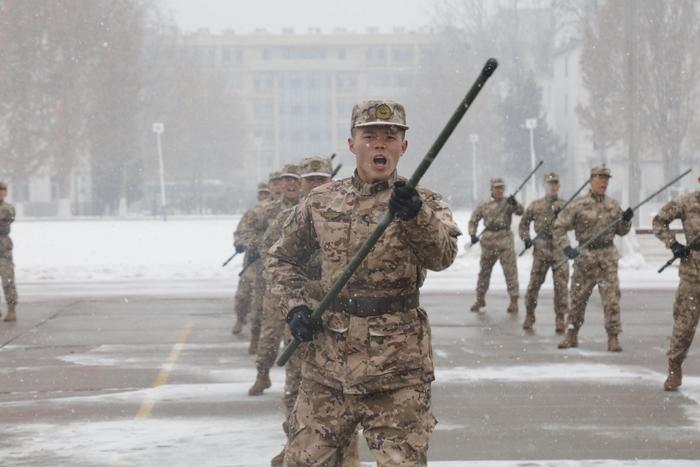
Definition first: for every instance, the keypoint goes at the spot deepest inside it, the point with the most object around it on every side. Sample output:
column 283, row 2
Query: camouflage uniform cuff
column 424, row 216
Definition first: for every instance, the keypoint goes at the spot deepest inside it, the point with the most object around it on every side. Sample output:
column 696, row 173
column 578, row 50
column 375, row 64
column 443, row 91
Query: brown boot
column 238, row 327
column 529, row 321
column 560, row 324
column 479, row 303
column 513, row 307
column 675, row 375
column 571, row 339
column 278, row 460
column 614, row 343
column 253, row 347
column 11, row 314
column 262, row 382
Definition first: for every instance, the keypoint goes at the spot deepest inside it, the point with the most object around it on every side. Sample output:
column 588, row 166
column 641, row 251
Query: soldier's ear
column 404, row 146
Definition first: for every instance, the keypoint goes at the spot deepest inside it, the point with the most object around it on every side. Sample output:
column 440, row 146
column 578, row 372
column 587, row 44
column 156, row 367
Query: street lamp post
column 531, row 124
column 158, row 128
column 474, row 138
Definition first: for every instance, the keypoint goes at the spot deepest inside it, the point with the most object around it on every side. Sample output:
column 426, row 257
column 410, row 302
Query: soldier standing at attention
column 369, row 360
column 686, row 308
column 546, row 254
column 244, row 292
column 7, row 266
column 597, row 264
column 496, row 243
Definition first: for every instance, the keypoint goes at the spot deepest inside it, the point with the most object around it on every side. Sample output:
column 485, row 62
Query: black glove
column 679, row 250
column 301, row 325
column 570, row 253
column 628, row 215
column 528, row 243
column 511, row 200
column 475, row 239
column 405, row 202
column 240, row 248
column 253, row 256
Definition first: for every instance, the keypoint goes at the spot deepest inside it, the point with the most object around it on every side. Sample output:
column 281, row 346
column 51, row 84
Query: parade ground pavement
column 147, row 379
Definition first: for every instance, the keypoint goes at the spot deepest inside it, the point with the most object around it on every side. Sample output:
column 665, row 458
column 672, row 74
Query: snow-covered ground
column 193, row 249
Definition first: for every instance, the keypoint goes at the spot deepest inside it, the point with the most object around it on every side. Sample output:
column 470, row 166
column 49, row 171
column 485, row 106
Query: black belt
column 496, row 228
column 370, row 306
column 600, row 245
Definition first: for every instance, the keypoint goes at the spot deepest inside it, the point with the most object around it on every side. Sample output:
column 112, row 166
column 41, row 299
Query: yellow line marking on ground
column 162, row 378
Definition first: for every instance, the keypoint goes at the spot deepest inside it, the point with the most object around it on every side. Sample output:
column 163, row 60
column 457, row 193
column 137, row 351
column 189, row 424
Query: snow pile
column 192, row 250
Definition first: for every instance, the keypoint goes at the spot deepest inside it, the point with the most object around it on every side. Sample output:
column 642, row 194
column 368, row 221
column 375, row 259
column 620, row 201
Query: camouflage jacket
column 586, row 216
column 542, row 213
column 365, row 354
column 265, row 216
column 497, row 216
column 249, row 228
column 7, row 217
column 687, row 209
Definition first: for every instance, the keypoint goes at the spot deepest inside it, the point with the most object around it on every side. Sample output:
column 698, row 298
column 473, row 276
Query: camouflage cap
column 551, row 177
column 378, row 112
column 276, row 175
column 3, row 186
column 601, row 170
column 316, row 166
column 495, row 182
column 262, row 186
column 290, row 170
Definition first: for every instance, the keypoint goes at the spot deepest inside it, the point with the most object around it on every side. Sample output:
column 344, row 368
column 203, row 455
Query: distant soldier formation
column 367, row 363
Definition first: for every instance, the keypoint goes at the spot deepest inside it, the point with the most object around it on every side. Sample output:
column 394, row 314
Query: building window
column 376, row 56
column 342, row 54
column 231, row 56
column 263, row 108
column 402, row 55
column 263, row 81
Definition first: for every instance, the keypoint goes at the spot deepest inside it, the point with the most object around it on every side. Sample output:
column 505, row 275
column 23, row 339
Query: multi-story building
column 298, row 90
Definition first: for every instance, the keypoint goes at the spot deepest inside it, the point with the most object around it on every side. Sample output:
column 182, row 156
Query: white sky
column 245, row 15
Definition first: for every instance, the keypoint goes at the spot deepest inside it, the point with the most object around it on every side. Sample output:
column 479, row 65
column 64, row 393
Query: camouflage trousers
column 256, row 301
column 591, row 269
column 396, row 424
column 543, row 261
column 350, row 456
column 272, row 330
column 244, row 295
column 686, row 311
column 510, row 269
column 7, row 273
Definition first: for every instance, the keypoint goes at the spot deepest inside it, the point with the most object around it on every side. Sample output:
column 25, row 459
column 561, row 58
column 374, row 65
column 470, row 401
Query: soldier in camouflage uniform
column 369, row 360
column 251, row 233
column 315, row 171
column 686, row 308
column 496, row 243
column 542, row 213
column 7, row 266
column 596, row 264
column 244, row 292
column 270, row 334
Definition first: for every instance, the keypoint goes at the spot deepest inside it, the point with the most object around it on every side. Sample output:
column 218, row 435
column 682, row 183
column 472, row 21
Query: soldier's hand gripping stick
column 506, row 203
column 551, row 221
column 486, row 72
column 690, row 246
column 621, row 217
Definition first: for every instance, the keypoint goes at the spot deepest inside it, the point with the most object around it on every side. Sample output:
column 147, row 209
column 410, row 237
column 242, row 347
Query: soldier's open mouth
column 379, row 161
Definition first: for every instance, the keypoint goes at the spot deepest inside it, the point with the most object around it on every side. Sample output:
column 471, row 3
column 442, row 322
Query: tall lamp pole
column 474, row 138
column 158, row 128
